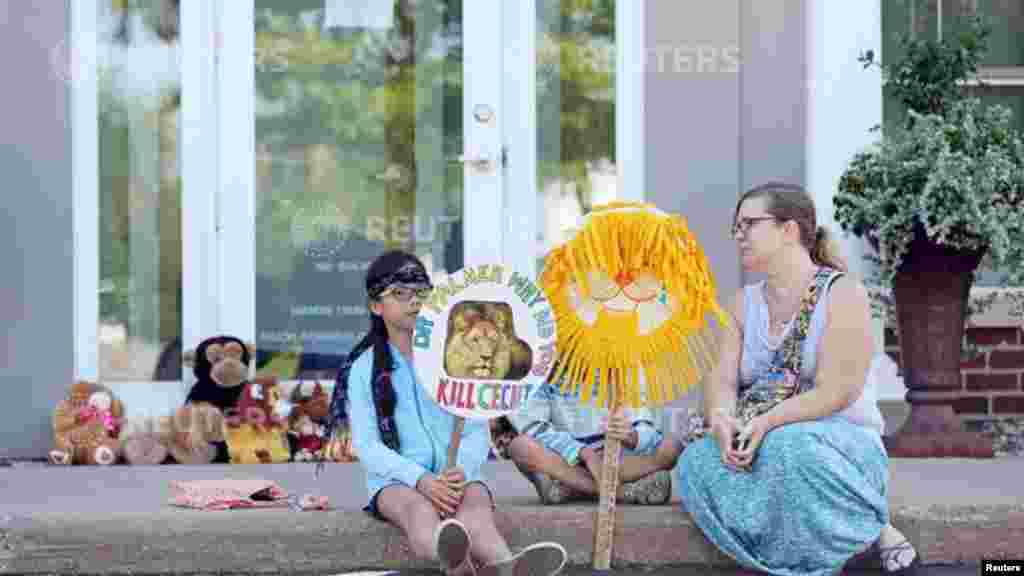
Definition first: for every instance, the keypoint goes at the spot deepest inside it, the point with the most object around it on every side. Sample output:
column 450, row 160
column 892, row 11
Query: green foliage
column 956, row 167
column 928, row 76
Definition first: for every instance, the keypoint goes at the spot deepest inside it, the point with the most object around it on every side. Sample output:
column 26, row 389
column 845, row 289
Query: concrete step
column 115, row 520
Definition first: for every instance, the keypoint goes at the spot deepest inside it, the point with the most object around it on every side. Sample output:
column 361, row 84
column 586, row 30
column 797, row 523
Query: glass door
column 239, row 163
column 350, row 128
column 573, row 95
column 126, row 73
column 461, row 131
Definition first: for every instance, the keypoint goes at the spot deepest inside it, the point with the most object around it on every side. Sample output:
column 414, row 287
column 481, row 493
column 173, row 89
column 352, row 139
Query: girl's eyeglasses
column 403, row 294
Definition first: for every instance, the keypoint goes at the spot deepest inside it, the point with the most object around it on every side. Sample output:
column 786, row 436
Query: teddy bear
column 306, row 435
column 221, row 367
column 86, row 426
column 313, row 399
column 192, row 434
column 142, row 444
column 313, row 403
column 254, row 430
column 310, row 405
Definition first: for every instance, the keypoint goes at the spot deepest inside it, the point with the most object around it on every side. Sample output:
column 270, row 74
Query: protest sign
column 484, row 339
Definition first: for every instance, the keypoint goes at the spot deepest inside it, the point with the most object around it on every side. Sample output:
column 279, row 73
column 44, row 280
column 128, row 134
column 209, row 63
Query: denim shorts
column 374, row 511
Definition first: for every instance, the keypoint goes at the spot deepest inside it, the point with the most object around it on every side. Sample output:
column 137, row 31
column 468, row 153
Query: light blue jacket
column 424, row 430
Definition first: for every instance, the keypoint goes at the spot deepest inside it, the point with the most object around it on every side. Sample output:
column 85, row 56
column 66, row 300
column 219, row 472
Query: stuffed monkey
column 221, row 368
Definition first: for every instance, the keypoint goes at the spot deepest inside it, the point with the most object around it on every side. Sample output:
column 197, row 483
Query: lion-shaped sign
column 484, row 339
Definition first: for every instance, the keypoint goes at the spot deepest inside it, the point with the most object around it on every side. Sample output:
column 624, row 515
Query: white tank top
column 759, row 349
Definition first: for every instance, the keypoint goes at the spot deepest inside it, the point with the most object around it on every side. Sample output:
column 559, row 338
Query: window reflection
column 139, row 93
column 576, row 165
column 358, row 109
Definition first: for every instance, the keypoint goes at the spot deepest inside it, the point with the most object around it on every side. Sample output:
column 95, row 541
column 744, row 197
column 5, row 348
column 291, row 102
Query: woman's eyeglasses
column 745, row 224
column 403, row 294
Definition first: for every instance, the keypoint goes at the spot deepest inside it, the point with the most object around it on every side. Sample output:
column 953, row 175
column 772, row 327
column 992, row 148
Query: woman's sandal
column 892, row 559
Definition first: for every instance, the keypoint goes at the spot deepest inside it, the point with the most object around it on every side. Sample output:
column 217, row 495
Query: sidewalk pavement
column 116, row 520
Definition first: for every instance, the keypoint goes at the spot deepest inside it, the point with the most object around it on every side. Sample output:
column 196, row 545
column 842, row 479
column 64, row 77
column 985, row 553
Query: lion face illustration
column 633, row 293
column 482, row 344
column 477, row 351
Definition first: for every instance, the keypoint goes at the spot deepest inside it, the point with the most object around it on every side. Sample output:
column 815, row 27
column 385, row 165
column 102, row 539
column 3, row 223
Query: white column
column 843, row 102
column 199, row 167
column 236, row 182
column 78, row 66
column 630, row 78
column 482, row 87
column 522, row 225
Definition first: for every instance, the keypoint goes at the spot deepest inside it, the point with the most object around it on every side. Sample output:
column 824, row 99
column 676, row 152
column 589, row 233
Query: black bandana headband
column 409, row 275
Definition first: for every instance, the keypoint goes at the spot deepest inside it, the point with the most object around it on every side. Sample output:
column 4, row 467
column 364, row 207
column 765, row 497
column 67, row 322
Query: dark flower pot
column 931, row 291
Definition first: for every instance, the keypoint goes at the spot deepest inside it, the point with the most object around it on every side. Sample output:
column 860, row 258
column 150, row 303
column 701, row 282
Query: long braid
column 390, row 267
column 384, row 398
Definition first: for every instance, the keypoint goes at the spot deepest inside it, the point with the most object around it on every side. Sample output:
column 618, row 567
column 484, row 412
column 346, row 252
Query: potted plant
column 939, row 194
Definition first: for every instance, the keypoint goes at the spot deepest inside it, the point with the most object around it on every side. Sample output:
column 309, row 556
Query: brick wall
column 993, row 379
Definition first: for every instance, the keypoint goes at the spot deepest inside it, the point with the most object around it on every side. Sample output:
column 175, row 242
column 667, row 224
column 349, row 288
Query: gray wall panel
column 714, row 128
column 693, row 125
column 36, row 299
column 774, row 106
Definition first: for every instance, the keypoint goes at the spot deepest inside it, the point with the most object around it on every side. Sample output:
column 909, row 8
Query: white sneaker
column 540, row 559
column 452, row 544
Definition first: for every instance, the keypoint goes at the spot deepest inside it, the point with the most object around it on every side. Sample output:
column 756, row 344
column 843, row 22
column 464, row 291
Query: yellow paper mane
column 618, row 238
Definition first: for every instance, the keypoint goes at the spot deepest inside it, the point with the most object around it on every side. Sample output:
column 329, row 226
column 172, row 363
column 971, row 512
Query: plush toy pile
column 226, row 418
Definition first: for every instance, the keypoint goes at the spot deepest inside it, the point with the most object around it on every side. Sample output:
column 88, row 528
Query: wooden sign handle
column 604, row 521
column 453, row 446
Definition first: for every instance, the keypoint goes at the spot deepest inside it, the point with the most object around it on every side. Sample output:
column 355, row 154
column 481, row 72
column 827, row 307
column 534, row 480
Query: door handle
column 478, row 160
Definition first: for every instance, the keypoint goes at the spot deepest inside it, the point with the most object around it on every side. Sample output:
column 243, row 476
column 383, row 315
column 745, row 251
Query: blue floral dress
column 816, row 493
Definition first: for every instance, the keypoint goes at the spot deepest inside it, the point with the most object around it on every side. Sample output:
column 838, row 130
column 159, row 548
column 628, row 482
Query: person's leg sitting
column 533, row 458
column 476, row 512
column 636, row 465
column 416, row 517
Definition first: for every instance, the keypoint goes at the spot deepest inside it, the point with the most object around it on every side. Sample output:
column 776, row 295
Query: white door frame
column 200, row 266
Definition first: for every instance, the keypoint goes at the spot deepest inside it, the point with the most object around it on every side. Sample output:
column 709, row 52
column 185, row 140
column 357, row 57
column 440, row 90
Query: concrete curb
column 186, row 541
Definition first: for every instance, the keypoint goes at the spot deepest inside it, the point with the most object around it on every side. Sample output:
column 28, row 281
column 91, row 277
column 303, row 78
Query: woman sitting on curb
column 787, row 473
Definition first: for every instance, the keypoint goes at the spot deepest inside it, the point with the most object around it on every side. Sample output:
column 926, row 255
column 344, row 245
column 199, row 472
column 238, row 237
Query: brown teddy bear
column 142, row 444
column 311, row 408
column 192, row 433
column 86, row 426
column 314, row 401
column 307, row 436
